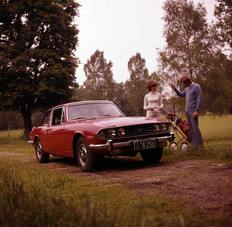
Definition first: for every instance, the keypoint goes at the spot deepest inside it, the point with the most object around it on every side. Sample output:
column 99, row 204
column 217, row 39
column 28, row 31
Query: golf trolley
column 181, row 130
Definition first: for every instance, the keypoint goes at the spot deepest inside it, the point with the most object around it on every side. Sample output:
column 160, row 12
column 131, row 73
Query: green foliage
column 219, row 153
column 10, row 120
column 136, row 86
column 217, row 90
column 121, row 100
column 99, row 83
column 32, row 197
column 186, row 33
column 192, row 47
column 36, row 52
column 13, row 120
column 217, row 137
column 223, row 12
column 215, row 128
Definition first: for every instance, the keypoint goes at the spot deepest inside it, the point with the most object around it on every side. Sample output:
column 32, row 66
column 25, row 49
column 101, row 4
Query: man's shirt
column 193, row 95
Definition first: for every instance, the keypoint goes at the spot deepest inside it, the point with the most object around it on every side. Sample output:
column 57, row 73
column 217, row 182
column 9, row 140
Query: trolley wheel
column 173, row 146
column 184, row 147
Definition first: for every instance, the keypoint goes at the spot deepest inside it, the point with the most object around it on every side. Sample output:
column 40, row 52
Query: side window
column 63, row 118
column 57, row 116
column 47, row 119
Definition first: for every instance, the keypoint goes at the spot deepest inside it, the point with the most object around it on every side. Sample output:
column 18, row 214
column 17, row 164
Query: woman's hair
column 150, row 84
column 186, row 80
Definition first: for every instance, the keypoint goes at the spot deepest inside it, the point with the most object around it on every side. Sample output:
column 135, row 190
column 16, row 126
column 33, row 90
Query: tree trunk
column 26, row 114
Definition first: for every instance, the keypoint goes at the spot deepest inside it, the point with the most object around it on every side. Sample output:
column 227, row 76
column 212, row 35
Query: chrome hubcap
column 39, row 150
column 83, row 158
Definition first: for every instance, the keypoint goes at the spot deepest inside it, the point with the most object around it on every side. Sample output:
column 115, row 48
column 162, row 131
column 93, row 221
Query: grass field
column 213, row 128
column 32, row 196
column 216, row 129
column 217, row 137
column 216, row 132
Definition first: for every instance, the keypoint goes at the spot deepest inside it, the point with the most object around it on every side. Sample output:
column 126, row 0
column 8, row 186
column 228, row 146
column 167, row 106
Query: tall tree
column 37, row 67
column 187, row 38
column 99, row 83
column 121, row 100
column 136, row 86
column 223, row 12
column 192, row 48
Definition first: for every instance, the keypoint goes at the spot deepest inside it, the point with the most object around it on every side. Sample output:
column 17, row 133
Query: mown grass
column 32, row 197
column 217, row 137
column 216, row 129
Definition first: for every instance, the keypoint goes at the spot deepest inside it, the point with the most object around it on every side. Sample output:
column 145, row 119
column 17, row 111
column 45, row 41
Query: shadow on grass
column 118, row 163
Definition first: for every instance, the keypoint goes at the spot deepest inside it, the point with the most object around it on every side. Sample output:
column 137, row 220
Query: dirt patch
column 203, row 184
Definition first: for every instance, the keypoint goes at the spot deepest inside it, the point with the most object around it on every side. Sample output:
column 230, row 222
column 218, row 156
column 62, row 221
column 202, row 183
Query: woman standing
column 153, row 102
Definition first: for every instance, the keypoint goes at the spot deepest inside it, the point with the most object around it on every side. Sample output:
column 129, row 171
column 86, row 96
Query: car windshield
column 82, row 111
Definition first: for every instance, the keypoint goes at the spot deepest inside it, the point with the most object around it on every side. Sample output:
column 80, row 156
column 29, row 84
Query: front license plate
column 144, row 144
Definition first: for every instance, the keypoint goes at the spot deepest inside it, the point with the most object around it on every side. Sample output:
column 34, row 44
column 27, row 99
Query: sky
column 121, row 28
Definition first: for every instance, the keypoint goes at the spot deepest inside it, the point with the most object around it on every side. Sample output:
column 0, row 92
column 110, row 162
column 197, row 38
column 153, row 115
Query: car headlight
column 169, row 127
column 163, row 127
column 156, row 128
column 121, row 132
column 101, row 135
column 111, row 133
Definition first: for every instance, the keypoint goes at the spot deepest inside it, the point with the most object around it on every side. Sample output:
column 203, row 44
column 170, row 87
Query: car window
column 57, row 116
column 47, row 119
column 62, row 118
column 82, row 111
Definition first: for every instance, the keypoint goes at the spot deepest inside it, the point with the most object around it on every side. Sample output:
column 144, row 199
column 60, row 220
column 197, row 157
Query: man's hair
column 186, row 79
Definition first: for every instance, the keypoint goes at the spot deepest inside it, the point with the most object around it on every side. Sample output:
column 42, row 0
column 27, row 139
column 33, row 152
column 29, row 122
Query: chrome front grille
column 139, row 130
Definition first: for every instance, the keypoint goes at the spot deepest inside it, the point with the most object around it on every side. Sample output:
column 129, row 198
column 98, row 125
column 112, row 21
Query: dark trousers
column 195, row 133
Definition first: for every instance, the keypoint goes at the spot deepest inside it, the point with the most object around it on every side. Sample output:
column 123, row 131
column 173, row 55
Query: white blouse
column 153, row 99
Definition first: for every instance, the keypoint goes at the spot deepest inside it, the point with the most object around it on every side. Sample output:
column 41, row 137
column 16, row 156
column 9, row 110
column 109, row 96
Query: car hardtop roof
column 81, row 102
column 88, row 102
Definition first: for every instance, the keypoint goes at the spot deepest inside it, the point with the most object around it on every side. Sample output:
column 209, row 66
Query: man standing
column 193, row 94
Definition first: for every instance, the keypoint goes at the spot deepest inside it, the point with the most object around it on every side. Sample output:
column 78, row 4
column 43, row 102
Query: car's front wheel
column 86, row 159
column 41, row 155
column 152, row 155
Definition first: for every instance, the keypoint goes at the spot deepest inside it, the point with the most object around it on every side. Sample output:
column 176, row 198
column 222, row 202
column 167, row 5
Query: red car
column 88, row 130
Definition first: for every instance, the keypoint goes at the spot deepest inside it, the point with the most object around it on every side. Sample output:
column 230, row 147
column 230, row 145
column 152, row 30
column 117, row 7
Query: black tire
column 86, row 159
column 152, row 155
column 41, row 155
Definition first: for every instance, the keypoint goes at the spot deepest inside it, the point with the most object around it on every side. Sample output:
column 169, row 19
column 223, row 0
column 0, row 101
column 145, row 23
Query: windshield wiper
column 107, row 115
column 78, row 118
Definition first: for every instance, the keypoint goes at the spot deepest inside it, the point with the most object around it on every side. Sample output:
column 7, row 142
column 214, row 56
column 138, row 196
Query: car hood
column 122, row 121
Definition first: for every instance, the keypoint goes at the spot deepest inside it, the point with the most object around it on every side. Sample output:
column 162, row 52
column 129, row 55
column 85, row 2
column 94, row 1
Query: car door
column 54, row 134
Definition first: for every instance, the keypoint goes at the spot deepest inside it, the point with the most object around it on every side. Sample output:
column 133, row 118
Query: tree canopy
column 223, row 12
column 192, row 47
column 36, row 52
column 136, row 86
column 99, row 83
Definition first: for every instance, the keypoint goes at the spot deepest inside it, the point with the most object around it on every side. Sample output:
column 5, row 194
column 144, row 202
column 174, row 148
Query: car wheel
column 184, row 147
column 152, row 155
column 41, row 155
column 86, row 159
column 173, row 146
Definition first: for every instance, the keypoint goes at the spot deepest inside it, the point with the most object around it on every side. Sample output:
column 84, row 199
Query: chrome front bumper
column 110, row 145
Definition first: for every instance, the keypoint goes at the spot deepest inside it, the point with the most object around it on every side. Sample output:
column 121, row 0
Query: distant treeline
column 11, row 120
